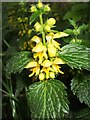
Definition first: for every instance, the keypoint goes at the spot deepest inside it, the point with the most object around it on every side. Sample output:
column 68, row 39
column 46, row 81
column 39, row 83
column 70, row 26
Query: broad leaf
column 47, row 99
column 17, row 62
column 80, row 87
column 76, row 56
column 35, row 15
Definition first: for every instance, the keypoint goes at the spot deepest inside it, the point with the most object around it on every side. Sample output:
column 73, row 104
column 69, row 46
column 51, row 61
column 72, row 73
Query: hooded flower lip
column 50, row 39
column 46, row 63
column 51, row 50
column 31, row 64
column 36, row 39
column 39, row 48
column 58, row 61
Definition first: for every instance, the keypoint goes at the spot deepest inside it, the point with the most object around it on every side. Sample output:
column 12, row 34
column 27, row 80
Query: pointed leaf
column 35, row 15
column 76, row 56
column 17, row 62
column 80, row 87
column 47, row 99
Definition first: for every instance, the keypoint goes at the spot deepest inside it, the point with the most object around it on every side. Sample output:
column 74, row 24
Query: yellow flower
column 46, row 63
column 33, row 8
column 47, row 8
column 39, row 48
column 46, row 70
column 41, row 56
column 38, row 26
column 40, row 5
column 35, row 70
column 41, row 76
column 52, row 75
column 51, row 21
column 58, row 61
column 56, row 44
column 31, row 64
column 49, row 37
column 47, row 28
column 60, row 34
column 36, row 39
column 51, row 50
column 56, row 69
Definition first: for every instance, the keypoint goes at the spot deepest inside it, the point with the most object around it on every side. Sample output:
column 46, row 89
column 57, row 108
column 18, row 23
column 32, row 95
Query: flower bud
column 40, row 5
column 47, row 8
column 51, row 21
column 52, row 75
column 41, row 76
column 33, row 9
column 38, row 27
column 47, row 28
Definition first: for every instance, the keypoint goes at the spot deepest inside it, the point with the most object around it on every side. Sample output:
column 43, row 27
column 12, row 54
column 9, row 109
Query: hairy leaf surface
column 80, row 87
column 17, row 62
column 76, row 56
column 48, row 99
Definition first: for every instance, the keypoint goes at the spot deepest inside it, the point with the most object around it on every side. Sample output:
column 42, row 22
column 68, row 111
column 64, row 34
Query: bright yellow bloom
column 36, row 39
column 47, row 8
column 58, row 61
column 51, row 21
column 33, row 8
column 56, row 69
column 56, row 44
column 35, row 70
column 46, row 63
column 40, row 5
column 31, row 64
column 38, row 26
column 39, row 48
column 60, row 34
column 52, row 75
column 41, row 56
column 47, row 28
column 41, row 76
column 49, row 37
column 51, row 50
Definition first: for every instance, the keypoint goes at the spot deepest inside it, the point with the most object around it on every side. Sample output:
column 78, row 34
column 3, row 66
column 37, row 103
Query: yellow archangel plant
column 45, row 64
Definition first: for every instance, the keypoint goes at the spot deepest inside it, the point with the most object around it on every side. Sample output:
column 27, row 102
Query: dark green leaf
column 48, row 99
column 17, row 62
column 35, row 15
column 76, row 56
column 80, row 86
column 83, row 114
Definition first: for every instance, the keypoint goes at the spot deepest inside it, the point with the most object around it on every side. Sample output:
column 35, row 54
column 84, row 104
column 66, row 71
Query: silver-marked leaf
column 17, row 62
column 80, row 87
column 76, row 56
column 47, row 99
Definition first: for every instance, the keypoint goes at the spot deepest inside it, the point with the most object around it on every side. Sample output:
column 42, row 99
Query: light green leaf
column 47, row 99
column 80, row 86
column 76, row 56
column 17, row 62
column 35, row 15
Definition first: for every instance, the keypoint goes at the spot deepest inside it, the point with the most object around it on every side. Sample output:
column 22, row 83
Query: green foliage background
column 73, row 18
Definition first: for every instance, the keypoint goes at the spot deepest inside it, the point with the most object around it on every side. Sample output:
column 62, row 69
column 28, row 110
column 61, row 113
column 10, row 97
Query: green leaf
column 72, row 22
column 17, row 62
column 35, row 15
column 47, row 99
column 80, row 86
column 76, row 56
column 83, row 114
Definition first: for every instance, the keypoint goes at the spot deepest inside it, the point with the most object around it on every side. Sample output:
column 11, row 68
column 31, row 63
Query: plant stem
column 43, row 34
